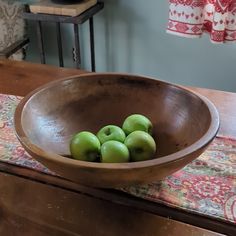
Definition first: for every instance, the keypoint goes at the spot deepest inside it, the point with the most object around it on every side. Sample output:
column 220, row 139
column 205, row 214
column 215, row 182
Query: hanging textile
column 190, row 18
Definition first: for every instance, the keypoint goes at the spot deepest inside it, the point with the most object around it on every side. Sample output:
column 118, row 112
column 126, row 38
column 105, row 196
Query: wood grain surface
column 94, row 100
column 19, row 207
column 31, row 208
column 20, row 78
column 50, row 7
column 225, row 102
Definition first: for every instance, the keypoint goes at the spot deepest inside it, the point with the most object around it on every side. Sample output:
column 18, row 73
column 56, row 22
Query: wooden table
column 33, row 203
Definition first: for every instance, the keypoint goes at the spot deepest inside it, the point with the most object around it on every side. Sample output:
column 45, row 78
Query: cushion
column 12, row 26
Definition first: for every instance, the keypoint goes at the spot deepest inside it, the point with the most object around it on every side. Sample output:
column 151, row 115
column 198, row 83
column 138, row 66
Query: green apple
column 137, row 122
column 111, row 132
column 141, row 146
column 85, row 146
column 114, row 152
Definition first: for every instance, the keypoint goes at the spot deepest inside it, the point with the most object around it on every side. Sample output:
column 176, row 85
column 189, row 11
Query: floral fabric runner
column 190, row 18
column 206, row 186
column 11, row 150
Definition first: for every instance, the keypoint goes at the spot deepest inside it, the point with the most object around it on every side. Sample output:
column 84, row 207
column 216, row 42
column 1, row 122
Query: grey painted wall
column 130, row 37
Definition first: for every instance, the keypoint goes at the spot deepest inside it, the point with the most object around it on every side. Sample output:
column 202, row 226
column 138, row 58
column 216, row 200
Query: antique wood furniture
column 34, row 203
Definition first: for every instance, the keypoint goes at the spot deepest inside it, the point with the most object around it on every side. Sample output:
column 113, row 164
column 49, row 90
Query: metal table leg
column 59, row 44
column 77, row 47
column 40, row 42
column 91, row 29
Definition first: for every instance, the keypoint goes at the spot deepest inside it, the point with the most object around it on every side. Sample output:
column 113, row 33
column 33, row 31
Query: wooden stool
column 76, row 14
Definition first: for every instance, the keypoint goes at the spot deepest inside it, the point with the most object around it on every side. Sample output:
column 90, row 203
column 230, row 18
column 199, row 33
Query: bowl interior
column 52, row 115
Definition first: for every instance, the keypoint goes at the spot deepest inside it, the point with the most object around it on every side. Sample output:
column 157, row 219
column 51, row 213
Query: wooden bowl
column 45, row 120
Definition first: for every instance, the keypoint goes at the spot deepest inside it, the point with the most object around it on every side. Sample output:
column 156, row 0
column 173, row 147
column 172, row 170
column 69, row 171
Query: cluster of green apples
column 112, row 144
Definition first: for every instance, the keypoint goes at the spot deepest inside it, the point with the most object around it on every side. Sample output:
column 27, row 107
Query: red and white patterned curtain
column 190, row 18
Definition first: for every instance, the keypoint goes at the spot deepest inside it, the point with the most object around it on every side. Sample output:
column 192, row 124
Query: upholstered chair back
column 12, row 26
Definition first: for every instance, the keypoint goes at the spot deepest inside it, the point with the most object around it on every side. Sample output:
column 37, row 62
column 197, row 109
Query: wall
column 130, row 37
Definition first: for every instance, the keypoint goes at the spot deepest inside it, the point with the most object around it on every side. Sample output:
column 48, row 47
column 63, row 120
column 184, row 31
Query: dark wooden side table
column 58, row 20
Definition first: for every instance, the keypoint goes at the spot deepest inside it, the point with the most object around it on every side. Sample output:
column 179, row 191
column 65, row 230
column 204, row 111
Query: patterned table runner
column 206, row 186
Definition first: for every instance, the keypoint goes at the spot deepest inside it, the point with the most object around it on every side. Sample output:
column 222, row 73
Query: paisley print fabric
column 11, row 150
column 206, row 186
